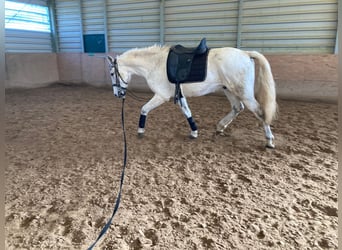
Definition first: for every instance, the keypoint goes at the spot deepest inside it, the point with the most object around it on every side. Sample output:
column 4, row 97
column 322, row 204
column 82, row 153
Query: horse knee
column 183, row 104
column 144, row 111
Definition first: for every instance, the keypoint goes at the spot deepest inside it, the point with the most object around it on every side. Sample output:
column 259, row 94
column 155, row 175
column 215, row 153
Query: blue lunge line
column 117, row 203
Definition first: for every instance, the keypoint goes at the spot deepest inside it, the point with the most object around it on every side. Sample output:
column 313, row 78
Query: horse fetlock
column 220, row 129
column 270, row 143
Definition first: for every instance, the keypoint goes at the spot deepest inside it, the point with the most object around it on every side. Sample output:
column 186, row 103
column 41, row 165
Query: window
column 94, row 43
column 25, row 16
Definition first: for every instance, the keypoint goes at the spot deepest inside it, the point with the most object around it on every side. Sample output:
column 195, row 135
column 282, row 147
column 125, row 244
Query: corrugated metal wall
column 269, row 26
column 307, row 26
column 25, row 41
column 93, row 16
column 39, row 2
column 132, row 24
column 126, row 24
column 69, row 26
column 187, row 22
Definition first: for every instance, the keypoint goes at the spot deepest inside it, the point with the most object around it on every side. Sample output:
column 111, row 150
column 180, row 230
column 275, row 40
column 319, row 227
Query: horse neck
column 137, row 66
column 141, row 61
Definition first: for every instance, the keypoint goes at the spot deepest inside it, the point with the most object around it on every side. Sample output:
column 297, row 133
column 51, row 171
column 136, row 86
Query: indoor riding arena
column 67, row 134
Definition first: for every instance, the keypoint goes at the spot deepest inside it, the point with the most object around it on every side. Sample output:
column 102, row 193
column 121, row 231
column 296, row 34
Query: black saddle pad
column 186, row 67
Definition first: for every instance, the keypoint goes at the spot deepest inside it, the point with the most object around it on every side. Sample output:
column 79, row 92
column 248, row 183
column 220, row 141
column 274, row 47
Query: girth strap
column 178, row 93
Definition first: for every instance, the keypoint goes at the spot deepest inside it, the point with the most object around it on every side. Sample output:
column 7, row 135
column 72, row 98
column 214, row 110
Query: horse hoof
column 219, row 132
column 270, row 145
column 140, row 135
column 193, row 134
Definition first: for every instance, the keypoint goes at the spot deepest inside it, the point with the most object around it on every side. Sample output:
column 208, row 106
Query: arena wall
column 304, row 77
column 30, row 70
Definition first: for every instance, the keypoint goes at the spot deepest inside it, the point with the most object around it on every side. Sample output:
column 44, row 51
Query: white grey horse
column 228, row 69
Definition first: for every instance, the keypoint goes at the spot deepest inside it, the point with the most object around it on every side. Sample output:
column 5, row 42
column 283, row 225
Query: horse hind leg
column 269, row 136
column 255, row 108
column 237, row 108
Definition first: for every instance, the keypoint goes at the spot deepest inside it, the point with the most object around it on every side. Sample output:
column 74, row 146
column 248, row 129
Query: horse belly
column 199, row 88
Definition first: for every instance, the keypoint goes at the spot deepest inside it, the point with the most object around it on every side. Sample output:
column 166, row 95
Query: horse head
column 118, row 83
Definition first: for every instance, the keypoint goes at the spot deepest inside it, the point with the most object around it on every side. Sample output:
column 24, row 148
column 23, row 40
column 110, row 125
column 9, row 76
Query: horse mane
column 148, row 51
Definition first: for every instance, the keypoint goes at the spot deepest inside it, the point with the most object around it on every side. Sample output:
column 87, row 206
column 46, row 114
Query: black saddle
column 200, row 49
column 186, row 65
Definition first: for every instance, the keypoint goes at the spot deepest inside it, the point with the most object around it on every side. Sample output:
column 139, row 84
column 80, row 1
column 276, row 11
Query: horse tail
column 265, row 90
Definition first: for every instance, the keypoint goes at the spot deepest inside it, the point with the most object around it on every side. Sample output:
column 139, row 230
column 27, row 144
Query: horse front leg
column 187, row 112
column 155, row 102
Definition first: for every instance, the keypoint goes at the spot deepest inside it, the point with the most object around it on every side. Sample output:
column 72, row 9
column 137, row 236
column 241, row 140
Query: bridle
column 119, row 84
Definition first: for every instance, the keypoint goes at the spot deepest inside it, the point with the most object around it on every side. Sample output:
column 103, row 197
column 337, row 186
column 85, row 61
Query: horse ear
column 110, row 60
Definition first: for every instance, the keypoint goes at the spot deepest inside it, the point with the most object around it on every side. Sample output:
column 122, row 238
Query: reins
column 118, row 198
column 119, row 90
column 136, row 97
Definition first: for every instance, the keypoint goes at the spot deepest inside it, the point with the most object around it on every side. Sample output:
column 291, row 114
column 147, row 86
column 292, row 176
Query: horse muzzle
column 119, row 91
